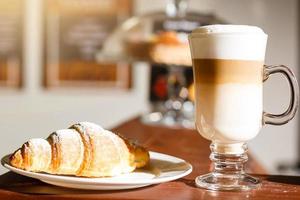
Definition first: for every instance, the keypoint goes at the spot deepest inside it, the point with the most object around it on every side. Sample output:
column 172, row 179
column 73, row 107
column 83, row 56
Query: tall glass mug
column 229, row 71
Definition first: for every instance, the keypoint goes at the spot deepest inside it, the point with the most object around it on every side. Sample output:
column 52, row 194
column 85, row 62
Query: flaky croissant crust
column 85, row 149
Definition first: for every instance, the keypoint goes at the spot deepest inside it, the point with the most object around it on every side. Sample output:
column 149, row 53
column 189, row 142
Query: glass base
column 228, row 169
column 240, row 182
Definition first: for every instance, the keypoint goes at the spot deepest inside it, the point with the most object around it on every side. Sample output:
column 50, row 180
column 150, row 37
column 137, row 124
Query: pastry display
column 171, row 48
column 166, row 47
column 85, row 149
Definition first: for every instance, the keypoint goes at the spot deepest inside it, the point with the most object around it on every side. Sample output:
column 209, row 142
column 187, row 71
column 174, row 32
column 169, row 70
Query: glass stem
column 228, row 172
column 228, row 164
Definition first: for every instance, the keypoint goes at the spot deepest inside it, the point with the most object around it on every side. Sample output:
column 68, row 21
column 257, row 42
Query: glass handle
column 285, row 117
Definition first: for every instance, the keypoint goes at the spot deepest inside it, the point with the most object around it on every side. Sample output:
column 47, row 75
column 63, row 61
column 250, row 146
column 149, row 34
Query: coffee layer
column 218, row 71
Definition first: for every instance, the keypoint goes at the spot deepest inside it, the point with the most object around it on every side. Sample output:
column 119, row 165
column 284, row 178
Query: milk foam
column 219, row 28
column 237, row 42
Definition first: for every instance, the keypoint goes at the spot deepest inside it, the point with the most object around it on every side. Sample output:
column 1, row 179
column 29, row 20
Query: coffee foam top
column 218, row 28
column 240, row 42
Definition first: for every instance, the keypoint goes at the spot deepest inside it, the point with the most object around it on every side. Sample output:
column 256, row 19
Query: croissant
column 85, row 149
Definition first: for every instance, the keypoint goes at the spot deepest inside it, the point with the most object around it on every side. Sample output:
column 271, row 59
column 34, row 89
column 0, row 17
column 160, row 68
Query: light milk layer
column 229, row 113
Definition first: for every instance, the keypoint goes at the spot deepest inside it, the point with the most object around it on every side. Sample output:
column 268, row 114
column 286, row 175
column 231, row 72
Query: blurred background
column 54, row 72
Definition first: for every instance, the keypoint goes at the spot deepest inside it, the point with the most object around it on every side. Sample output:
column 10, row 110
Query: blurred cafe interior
column 108, row 61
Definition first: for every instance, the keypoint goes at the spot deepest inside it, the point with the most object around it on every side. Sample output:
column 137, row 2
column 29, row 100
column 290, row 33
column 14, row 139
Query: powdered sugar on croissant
column 85, row 149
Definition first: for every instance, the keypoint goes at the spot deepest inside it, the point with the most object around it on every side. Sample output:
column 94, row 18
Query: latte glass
column 229, row 71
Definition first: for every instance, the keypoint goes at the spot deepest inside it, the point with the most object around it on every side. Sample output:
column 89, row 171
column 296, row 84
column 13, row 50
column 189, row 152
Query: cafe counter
column 183, row 143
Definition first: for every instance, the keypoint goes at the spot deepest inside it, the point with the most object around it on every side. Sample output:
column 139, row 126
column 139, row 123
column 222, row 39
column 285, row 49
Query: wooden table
column 183, row 143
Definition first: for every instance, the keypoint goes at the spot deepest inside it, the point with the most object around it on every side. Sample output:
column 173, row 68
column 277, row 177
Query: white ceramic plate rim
column 106, row 181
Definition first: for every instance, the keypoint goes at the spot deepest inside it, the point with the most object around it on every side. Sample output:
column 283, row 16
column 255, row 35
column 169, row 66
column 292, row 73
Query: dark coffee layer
column 218, row 71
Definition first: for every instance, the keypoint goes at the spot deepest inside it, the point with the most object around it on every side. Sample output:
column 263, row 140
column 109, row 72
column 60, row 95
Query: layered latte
column 228, row 72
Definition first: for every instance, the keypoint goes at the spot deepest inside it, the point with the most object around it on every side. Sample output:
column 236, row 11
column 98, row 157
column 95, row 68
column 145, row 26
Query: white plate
column 162, row 168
